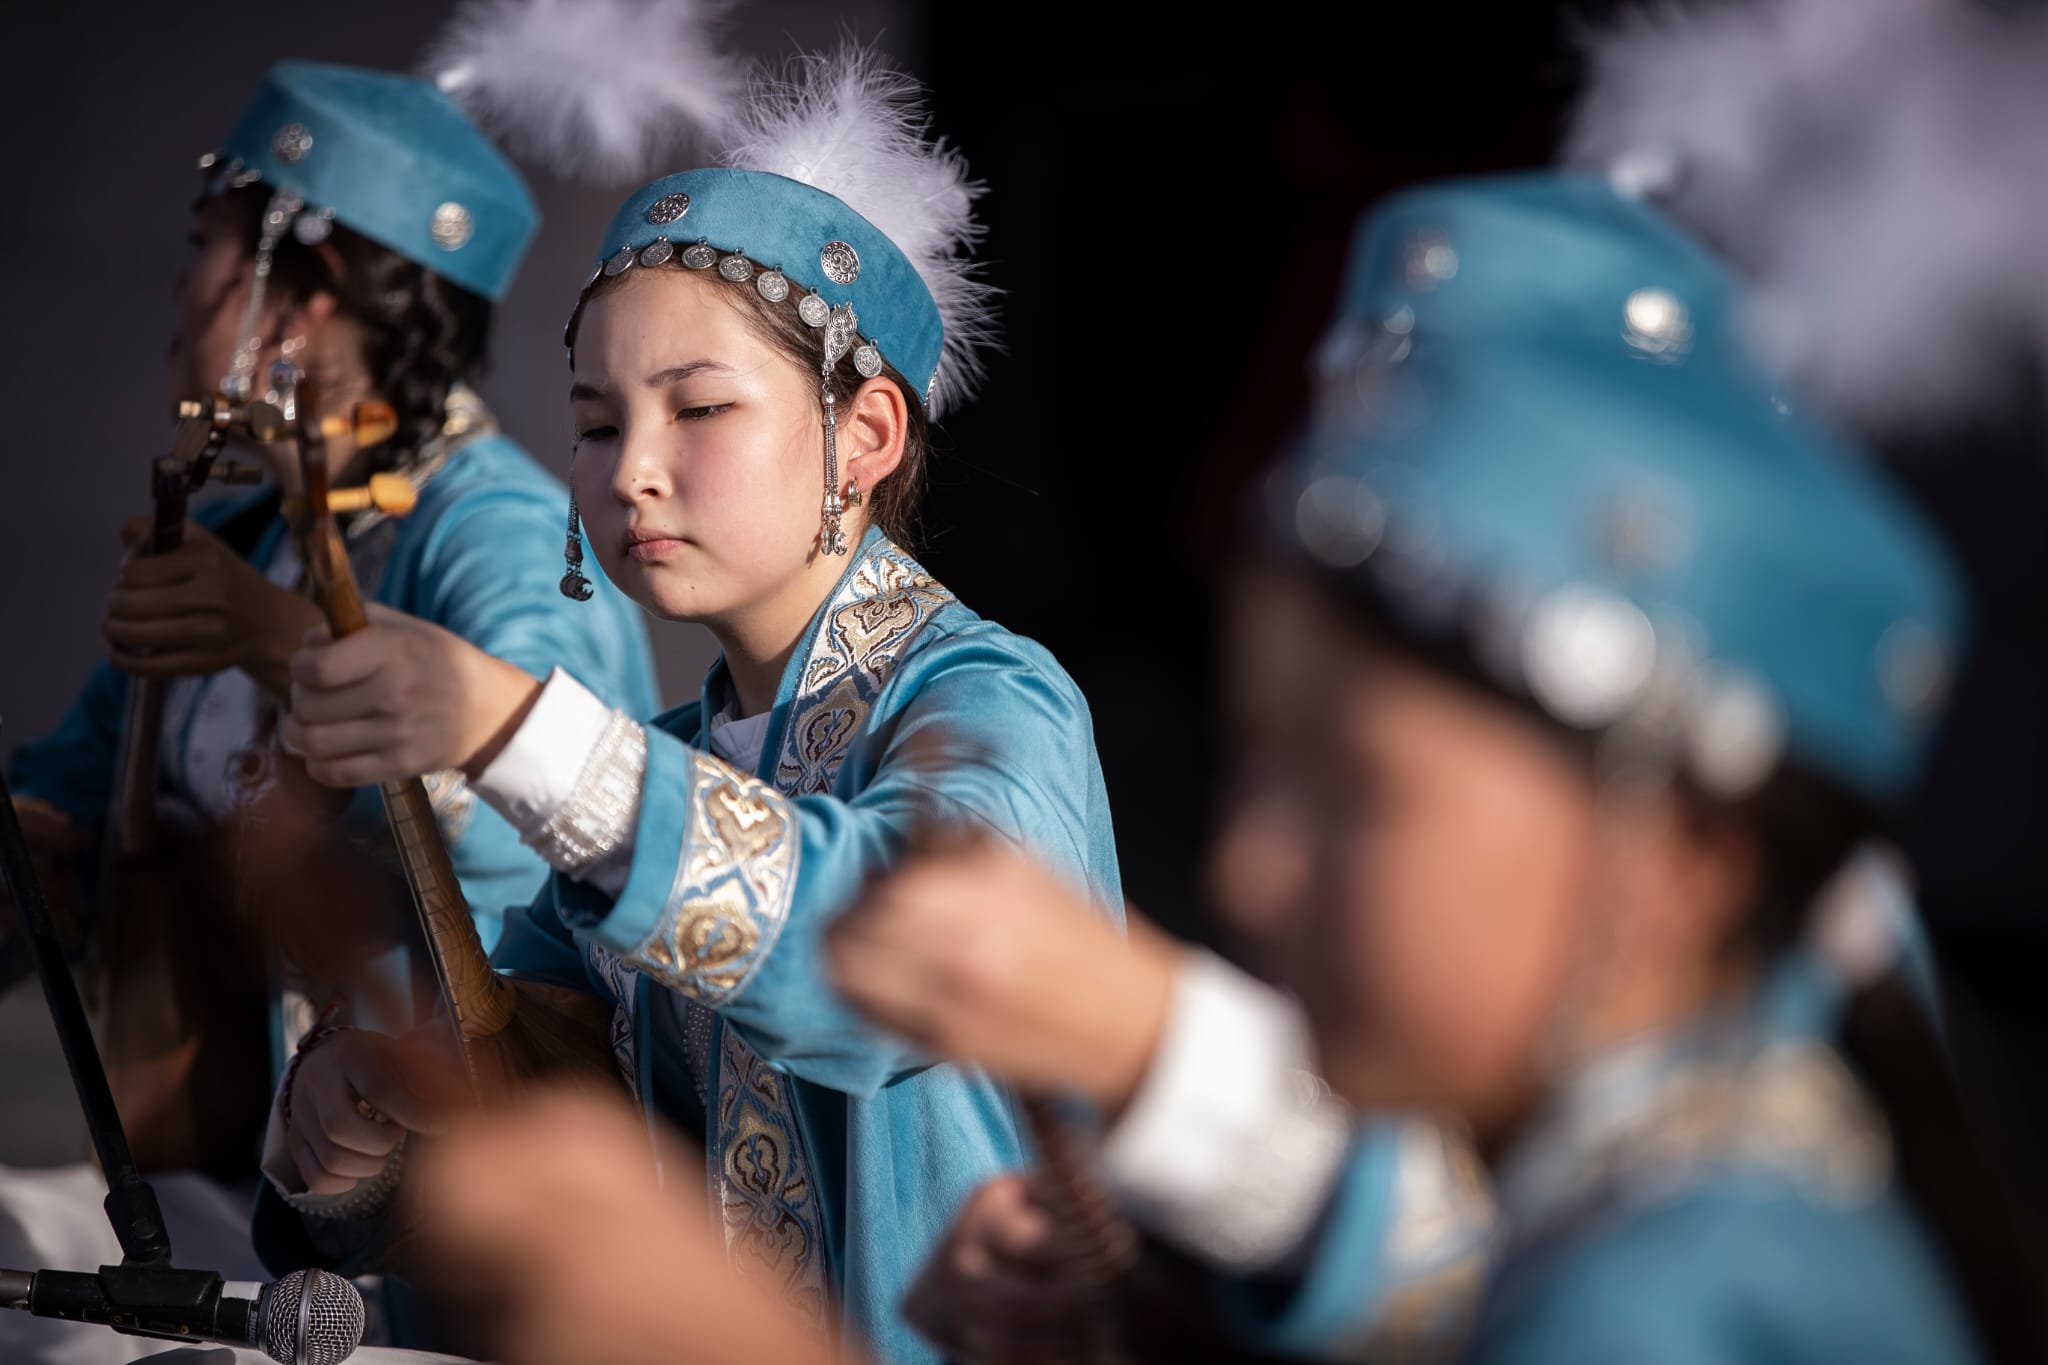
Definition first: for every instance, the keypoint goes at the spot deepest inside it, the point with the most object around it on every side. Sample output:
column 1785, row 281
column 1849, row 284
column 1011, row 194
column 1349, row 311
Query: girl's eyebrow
column 580, row 392
column 684, row 371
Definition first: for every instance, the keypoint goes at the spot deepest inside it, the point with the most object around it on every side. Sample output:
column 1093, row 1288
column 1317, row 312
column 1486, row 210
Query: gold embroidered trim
column 732, row 888
column 878, row 609
column 761, row 1186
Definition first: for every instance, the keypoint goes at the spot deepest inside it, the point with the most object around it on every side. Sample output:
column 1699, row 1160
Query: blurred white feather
column 850, row 125
column 1873, row 169
column 597, row 89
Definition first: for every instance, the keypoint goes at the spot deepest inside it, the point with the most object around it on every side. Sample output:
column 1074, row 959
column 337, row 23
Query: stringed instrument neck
column 509, row 1031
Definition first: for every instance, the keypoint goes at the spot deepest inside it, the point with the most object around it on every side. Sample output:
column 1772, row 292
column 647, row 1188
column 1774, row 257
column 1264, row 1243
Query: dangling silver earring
column 284, row 377
column 574, row 585
column 840, row 328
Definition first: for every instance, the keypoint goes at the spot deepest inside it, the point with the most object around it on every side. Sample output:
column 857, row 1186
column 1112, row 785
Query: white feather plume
column 1875, row 170
column 599, row 89
column 850, row 125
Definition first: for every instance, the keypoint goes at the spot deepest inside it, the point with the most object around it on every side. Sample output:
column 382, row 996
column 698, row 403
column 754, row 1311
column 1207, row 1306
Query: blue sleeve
column 1395, row 1263
column 537, row 945
column 733, row 884
column 1745, row 1269
column 72, row 767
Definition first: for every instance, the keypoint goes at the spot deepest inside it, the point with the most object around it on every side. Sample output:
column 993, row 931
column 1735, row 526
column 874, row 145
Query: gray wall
column 108, row 107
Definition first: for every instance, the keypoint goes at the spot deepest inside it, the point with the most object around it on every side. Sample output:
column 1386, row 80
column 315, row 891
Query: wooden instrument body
column 179, row 981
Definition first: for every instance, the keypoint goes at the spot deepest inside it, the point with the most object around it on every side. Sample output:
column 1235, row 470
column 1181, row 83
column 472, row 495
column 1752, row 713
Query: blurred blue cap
column 1537, row 429
column 392, row 158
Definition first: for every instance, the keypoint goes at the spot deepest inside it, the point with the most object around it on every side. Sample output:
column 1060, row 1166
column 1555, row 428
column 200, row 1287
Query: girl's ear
column 872, row 430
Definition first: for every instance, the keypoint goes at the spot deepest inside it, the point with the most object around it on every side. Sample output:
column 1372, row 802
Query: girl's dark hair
column 1806, row 827
column 422, row 333
column 891, row 504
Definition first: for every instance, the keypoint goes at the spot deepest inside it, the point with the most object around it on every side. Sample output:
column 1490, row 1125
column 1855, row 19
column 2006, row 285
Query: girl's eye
column 596, row 434
column 699, row 414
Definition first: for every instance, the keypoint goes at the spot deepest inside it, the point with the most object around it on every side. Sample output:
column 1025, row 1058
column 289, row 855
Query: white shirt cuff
column 1233, row 1144
column 568, row 780
column 535, row 774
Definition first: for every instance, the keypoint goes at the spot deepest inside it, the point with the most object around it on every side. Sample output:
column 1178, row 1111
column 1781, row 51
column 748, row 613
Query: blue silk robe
column 1722, row 1196
column 836, row 1154
column 480, row 554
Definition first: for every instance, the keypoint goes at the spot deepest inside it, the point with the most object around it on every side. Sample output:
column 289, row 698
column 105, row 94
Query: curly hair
column 422, row 334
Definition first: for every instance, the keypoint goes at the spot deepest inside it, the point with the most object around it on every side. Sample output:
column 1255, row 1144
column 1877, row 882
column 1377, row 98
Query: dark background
column 1168, row 207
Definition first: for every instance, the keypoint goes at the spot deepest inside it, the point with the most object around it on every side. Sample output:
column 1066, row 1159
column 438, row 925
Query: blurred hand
column 53, row 839
column 1000, row 1289
column 551, row 1212
column 199, row 609
column 400, row 699
column 353, row 1098
column 983, row 956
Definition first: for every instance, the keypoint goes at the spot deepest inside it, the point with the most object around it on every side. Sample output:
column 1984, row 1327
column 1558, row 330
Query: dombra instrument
column 510, row 1031
column 179, row 981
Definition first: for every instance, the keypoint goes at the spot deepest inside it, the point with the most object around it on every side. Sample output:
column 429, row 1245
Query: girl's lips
column 649, row 550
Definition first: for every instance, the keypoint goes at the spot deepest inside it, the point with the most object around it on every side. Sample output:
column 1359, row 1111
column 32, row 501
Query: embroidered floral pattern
column 621, row 981
column 732, row 888
column 761, row 1184
column 880, row 606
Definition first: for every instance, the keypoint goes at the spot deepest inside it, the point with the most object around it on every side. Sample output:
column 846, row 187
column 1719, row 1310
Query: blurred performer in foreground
column 1586, row 663
column 357, row 227
column 756, row 360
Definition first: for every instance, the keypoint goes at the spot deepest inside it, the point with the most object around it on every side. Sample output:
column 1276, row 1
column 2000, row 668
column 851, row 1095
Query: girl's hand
column 200, row 609
column 983, row 956
column 550, row 1215
column 999, row 1288
column 352, row 1101
column 400, row 699
column 53, row 839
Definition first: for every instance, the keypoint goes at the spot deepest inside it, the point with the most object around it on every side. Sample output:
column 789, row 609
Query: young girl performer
column 756, row 360
column 357, row 224
column 1599, row 664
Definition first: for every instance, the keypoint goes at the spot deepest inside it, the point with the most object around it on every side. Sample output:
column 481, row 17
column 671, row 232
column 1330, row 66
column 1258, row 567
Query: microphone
column 310, row 1317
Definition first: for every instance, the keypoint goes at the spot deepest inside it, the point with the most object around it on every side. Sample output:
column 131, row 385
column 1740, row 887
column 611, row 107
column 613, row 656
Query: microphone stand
column 145, row 1278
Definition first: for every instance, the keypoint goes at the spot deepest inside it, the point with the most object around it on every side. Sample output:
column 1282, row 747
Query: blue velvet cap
column 804, row 234
column 1537, row 427
column 393, row 159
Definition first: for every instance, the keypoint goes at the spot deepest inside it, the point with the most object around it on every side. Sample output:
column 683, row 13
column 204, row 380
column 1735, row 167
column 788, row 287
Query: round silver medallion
column 656, row 251
column 313, row 228
column 621, row 261
column 700, row 257
column 813, row 309
column 773, row 284
column 840, row 262
column 667, row 209
column 292, row 143
column 736, row 268
column 452, row 226
column 1655, row 323
column 867, row 360
column 1427, row 260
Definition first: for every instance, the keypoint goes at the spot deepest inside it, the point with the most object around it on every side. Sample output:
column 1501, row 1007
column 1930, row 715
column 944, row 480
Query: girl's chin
column 663, row 592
